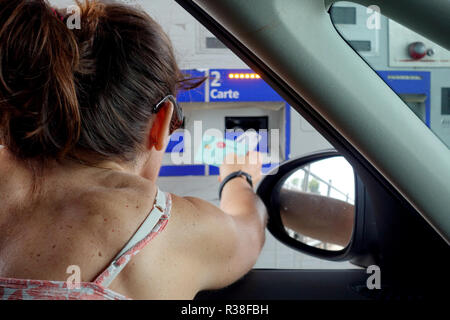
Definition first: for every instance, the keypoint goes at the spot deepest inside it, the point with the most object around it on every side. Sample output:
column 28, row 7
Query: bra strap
column 152, row 225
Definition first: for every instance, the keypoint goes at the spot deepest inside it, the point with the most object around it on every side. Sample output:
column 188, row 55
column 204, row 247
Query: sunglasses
column 177, row 117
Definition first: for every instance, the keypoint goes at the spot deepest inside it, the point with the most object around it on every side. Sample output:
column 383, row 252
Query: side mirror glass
column 317, row 203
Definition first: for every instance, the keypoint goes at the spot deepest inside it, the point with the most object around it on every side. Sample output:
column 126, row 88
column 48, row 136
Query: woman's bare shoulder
column 200, row 231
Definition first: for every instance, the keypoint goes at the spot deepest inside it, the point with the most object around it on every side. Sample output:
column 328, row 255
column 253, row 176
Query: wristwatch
column 233, row 175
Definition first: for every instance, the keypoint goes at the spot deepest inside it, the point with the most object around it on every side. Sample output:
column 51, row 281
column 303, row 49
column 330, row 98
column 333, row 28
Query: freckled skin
column 85, row 215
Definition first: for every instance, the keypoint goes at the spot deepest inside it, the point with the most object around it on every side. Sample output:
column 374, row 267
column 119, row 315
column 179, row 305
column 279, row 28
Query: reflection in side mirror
column 317, row 203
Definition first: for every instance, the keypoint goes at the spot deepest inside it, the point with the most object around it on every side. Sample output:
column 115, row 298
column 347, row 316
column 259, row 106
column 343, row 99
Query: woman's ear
column 159, row 131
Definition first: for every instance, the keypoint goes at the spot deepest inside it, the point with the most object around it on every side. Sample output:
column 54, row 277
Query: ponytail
column 39, row 110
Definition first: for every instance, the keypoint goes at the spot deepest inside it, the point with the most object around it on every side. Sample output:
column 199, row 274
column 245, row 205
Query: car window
column 417, row 69
column 233, row 97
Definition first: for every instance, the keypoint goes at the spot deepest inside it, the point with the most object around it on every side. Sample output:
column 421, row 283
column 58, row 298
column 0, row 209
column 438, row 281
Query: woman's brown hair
column 91, row 89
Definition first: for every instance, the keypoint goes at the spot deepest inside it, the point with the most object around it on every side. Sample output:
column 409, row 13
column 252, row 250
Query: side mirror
column 313, row 204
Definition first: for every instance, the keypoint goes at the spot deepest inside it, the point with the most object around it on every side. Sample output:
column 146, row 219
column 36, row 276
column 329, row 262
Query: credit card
column 214, row 149
column 251, row 138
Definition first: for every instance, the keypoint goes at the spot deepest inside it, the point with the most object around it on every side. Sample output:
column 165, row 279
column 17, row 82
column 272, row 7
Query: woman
column 85, row 116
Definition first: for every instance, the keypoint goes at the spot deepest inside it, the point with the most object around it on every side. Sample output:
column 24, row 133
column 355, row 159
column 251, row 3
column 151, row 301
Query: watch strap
column 233, row 175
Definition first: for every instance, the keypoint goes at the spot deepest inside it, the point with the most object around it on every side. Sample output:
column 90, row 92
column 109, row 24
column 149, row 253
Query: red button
column 417, row 50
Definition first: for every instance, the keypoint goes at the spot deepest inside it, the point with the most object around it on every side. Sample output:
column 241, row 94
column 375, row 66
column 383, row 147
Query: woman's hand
column 250, row 163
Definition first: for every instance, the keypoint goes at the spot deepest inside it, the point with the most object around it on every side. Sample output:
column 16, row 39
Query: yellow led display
column 243, row 76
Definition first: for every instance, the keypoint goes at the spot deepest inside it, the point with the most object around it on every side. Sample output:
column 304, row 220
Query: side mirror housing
column 316, row 205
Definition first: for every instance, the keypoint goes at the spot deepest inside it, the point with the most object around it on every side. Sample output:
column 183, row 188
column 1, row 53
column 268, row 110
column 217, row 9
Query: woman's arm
column 230, row 238
column 316, row 216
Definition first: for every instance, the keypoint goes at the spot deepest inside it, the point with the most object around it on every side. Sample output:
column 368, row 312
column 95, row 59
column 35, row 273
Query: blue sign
column 233, row 85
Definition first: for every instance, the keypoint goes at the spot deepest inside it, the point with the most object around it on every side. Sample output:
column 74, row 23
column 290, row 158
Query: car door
column 403, row 167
